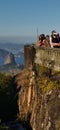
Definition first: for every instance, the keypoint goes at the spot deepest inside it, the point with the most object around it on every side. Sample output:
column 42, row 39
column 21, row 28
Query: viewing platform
column 48, row 57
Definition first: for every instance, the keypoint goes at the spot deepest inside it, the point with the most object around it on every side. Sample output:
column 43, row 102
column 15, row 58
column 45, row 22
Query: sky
column 29, row 17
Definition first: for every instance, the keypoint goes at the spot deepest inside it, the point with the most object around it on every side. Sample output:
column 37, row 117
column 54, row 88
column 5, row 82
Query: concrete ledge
column 49, row 57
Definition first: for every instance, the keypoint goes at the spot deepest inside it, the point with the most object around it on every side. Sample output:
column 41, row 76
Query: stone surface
column 39, row 90
column 41, row 109
column 48, row 57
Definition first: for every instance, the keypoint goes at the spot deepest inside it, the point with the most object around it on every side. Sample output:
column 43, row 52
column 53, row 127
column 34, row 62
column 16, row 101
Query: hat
column 53, row 31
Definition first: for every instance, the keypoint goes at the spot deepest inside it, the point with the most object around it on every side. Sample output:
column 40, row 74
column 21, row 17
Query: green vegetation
column 50, row 85
column 8, row 102
column 4, row 128
column 41, row 70
column 47, row 80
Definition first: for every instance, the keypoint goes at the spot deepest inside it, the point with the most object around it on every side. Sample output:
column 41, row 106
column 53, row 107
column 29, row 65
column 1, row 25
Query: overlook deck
column 49, row 57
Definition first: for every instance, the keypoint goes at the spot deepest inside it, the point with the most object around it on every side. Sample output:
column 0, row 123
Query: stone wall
column 48, row 57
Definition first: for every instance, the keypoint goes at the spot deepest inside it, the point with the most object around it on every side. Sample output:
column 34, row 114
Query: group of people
column 49, row 41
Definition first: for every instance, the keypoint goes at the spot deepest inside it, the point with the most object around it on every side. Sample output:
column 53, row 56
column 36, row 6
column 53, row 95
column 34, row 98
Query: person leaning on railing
column 55, row 40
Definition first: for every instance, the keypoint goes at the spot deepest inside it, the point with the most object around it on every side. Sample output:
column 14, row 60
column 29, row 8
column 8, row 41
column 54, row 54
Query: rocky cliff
column 39, row 98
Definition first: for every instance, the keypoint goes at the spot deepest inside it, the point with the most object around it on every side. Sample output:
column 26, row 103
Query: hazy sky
column 23, row 17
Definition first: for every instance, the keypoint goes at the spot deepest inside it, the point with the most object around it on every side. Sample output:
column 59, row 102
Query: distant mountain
column 3, row 53
column 9, row 59
column 9, row 63
column 6, row 57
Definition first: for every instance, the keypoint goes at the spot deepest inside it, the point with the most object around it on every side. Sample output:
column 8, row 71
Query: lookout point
column 48, row 57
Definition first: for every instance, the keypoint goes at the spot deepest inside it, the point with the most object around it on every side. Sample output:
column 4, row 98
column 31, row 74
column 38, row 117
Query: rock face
column 38, row 100
column 10, row 59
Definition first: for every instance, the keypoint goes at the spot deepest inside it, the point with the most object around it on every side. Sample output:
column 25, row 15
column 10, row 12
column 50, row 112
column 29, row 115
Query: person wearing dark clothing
column 55, row 40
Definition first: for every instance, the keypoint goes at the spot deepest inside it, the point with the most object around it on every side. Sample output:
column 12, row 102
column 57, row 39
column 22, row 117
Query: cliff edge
column 39, row 98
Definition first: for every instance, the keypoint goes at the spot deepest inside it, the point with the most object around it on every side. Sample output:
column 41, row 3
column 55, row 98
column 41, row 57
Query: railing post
column 29, row 53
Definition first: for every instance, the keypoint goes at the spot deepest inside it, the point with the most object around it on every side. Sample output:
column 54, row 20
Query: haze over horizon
column 18, row 39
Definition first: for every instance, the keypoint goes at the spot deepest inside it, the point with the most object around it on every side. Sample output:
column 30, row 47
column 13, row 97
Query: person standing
column 54, row 40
